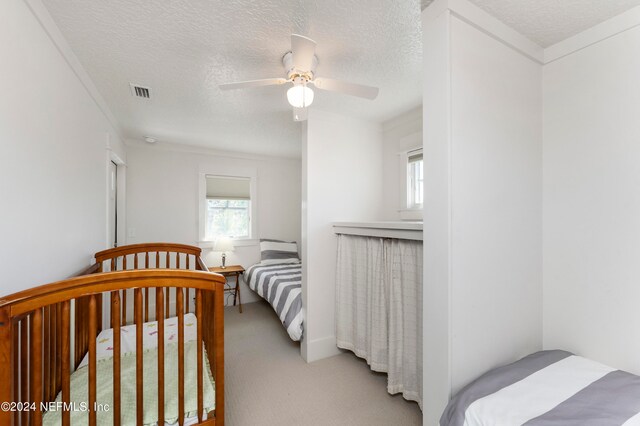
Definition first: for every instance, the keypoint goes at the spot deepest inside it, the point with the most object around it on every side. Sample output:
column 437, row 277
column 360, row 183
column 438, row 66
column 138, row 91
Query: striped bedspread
column 548, row 388
column 281, row 286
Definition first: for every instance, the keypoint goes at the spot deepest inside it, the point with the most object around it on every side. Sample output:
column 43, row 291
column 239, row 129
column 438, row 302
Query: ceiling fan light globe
column 300, row 96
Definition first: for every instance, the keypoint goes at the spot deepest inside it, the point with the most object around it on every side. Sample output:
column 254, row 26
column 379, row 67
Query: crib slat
column 93, row 327
column 188, row 258
column 180, row 315
column 168, row 261
column 123, row 322
column 35, row 375
column 6, row 358
column 47, row 353
column 135, row 260
column 15, row 368
column 167, row 307
column 217, row 304
column 80, row 343
column 99, row 312
column 146, row 304
column 66, row 368
column 124, row 262
column 187, row 290
column 58, row 383
column 115, row 315
column 54, row 352
column 160, row 318
column 157, row 260
column 146, row 290
column 177, row 260
column 113, row 264
column 24, row 366
column 199, row 340
column 139, row 354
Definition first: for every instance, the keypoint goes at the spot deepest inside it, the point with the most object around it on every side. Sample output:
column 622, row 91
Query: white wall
column 53, row 136
column 342, row 163
column 162, row 187
column 592, row 201
column 400, row 134
column 483, row 203
column 496, row 180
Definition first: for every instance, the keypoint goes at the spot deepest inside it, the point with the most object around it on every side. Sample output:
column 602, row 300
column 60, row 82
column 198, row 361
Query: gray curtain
column 379, row 307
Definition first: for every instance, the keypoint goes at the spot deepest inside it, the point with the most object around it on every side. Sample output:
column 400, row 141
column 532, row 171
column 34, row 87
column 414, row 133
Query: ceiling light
column 300, row 96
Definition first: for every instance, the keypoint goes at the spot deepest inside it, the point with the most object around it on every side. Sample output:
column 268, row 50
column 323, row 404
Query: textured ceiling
column 547, row 22
column 183, row 49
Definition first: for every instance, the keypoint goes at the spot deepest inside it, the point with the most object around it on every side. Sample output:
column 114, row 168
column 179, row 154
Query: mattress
column 548, row 388
column 281, row 286
column 104, row 368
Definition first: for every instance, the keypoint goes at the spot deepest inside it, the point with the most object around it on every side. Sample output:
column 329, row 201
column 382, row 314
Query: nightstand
column 230, row 271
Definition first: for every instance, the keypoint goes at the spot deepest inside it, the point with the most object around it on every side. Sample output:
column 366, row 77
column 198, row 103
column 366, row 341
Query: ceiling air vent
column 140, row 91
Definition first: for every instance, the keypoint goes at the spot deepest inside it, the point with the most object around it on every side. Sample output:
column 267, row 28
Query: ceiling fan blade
column 253, row 83
column 300, row 114
column 303, row 49
column 352, row 89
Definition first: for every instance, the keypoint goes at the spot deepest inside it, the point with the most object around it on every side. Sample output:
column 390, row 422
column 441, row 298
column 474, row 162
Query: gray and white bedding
column 281, row 286
column 548, row 388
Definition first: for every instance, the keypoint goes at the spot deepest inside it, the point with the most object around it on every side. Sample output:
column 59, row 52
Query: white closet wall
column 483, row 203
column 341, row 172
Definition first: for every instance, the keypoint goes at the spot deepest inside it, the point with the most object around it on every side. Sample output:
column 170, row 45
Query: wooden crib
column 43, row 328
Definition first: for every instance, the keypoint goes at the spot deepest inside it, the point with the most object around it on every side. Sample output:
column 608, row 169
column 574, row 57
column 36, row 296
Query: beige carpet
column 269, row 384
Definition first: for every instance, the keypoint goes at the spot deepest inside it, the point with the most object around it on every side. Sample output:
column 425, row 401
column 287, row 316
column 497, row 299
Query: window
column 415, row 179
column 227, row 208
column 227, row 218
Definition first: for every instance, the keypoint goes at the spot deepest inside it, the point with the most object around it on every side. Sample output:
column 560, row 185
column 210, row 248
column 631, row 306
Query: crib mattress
column 104, row 367
column 104, row 341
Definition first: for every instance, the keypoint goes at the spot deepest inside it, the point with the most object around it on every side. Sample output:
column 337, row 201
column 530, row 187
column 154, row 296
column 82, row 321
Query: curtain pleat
column 361, row 311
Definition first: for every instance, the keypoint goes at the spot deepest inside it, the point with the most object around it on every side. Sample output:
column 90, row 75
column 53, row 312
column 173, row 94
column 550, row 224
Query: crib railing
column 147, row 256
column 36, row 333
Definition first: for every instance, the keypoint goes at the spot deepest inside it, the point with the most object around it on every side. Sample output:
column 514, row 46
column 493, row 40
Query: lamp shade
column 300, row 96
column 223, row 244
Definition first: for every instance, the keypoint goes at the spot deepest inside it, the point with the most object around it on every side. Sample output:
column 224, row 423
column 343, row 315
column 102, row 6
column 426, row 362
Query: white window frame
column 411, row 205
column 249, row 173
column 405, row 211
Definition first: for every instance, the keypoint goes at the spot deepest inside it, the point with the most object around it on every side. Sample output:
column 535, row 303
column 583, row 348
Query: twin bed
column 548, row 388
column 156, row 356
column 278, row 280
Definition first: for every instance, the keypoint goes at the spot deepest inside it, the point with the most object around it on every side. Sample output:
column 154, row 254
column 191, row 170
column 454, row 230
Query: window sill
column 247, row 242
column 410, row 214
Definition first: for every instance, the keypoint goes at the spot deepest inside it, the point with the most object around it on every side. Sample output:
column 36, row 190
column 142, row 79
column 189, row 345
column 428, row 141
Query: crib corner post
column 5, row 360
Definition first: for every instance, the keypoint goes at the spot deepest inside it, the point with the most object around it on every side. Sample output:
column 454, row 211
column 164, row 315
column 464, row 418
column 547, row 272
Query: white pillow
column 276, row 251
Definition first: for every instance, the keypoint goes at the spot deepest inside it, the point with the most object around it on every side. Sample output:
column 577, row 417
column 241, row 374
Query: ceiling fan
column 300, row 67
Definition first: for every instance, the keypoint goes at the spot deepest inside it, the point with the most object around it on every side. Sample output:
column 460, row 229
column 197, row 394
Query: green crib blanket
column 104, row 389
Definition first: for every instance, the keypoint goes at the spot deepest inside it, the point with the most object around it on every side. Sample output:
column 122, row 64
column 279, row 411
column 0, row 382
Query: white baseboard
column 318, row 349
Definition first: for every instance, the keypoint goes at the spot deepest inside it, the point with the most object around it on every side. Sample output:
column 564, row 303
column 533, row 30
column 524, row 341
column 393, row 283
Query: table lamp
column 223, row 244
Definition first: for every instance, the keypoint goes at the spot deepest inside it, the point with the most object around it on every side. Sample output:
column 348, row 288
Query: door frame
column 121, row 172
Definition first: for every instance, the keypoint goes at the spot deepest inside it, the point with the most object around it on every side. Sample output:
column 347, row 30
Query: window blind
column 414, row 156
column 228, row 188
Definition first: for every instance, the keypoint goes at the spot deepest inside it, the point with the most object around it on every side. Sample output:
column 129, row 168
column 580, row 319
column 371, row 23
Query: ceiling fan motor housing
column 293, row 73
